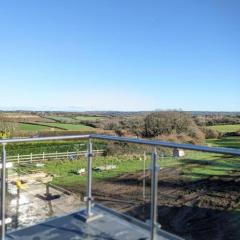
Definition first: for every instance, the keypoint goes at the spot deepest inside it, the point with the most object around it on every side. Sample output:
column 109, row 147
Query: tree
column 166, row 123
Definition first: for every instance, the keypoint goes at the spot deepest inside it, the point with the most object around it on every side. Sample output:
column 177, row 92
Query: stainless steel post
column 3, row 191
column 89, row 182
column 154, row 195
column 144, row 176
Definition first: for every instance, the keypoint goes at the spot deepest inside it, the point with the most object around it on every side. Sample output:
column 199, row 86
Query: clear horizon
column 122, row 56
column 82, row 109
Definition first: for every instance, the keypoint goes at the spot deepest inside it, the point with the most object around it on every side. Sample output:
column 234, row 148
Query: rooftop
column 110, row 226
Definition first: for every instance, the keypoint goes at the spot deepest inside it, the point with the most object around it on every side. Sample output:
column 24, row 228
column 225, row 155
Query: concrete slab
column 31, row 205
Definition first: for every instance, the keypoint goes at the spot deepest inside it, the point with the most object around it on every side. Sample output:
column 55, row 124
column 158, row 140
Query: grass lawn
column 230, row 142
column 200, row 164
column 65, row 176
column 196, row 165
column 226, row 128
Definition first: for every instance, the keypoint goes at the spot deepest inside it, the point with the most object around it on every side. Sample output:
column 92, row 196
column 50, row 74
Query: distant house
column 178, row 152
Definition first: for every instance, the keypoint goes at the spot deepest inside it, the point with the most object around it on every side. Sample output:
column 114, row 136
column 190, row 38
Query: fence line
column 30, row 158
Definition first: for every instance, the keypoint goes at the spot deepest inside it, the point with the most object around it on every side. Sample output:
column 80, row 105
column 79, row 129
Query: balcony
column 96, row 221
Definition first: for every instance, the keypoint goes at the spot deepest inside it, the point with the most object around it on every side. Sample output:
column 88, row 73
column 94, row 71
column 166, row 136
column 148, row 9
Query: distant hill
column 115, row 113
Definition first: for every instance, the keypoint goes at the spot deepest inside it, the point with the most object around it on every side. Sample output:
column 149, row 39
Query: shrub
column 172, row 124
column 211, row 133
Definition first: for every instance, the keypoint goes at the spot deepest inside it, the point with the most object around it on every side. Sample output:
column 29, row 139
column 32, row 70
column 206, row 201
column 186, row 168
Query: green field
column 33, row 127
column 226, row 128
column 200, row 165
column 70, row 127
column 196, row 165
column 89, row 118
column 73, row 119
column 230, row 142
column 53, row 123
column 64, row 171
column 62, row 118
column 53, row 127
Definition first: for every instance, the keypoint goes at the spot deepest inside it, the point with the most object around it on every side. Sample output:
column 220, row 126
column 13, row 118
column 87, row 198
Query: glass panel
column 43, row 181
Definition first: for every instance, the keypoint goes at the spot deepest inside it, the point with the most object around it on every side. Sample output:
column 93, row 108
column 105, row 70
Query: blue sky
column 120, row 55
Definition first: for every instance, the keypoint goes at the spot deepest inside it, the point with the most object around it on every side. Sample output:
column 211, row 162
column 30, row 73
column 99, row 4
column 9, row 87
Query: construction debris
column 40, row 165
column 81, row 171
column 105, row 168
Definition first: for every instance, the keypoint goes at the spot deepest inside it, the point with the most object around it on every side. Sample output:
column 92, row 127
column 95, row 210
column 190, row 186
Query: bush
column 181, row 138
column 211, row 133
column 172, row 124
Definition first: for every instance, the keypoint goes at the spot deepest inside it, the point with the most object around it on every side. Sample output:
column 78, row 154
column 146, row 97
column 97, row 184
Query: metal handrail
column 36, row 139
column 158, row 143
column 154, row 143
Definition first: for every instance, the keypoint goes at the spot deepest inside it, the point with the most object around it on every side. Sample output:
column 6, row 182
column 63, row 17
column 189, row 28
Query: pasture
column 70, row 127
column 75, row 118
column 32, row 123
column 226, row 128
column 22, row 117
column 34, row 127
column 89, row 118
column 66, row 119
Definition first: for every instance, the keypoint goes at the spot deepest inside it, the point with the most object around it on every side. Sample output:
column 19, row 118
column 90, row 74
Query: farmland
column 66, row 126
column 226, row 128
column 89, row 118
column 21, row 117
column 61, row 118
column 74, row 119
column 28, row 124
column 33, row 127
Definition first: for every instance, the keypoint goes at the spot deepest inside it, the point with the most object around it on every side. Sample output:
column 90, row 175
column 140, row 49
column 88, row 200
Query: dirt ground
column 200, row 209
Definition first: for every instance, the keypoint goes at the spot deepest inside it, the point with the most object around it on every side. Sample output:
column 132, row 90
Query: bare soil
column 199, row 209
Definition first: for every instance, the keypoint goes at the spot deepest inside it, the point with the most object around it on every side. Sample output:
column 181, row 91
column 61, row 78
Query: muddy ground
column 200, row 209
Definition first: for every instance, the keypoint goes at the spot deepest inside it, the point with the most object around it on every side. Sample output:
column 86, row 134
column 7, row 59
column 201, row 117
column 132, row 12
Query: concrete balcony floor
column 110, row 226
